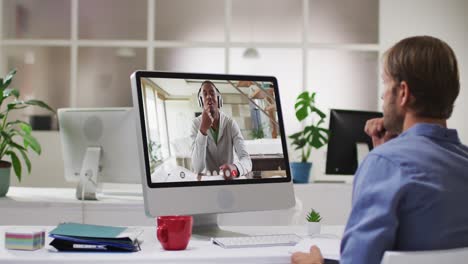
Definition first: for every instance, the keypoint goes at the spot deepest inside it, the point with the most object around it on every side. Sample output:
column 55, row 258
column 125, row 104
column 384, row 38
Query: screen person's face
column 210, row 98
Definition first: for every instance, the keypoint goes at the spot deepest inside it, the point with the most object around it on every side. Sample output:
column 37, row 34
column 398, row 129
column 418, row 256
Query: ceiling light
column 126, row 52
column 251, row 53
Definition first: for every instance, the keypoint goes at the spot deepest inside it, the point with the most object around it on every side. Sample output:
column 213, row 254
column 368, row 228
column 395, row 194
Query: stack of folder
column 82, row 237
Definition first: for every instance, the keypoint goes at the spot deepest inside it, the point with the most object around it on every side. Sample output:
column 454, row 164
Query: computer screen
column 215, row 140
column 98, row 145
column 347, row 137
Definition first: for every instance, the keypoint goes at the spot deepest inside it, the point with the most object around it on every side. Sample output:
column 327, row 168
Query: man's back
column 410, row 194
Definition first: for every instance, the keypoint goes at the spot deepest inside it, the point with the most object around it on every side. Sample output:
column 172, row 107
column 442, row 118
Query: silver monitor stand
column 88, row 184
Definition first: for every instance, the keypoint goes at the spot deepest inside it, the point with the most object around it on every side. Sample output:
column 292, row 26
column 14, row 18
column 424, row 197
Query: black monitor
column 346, row 130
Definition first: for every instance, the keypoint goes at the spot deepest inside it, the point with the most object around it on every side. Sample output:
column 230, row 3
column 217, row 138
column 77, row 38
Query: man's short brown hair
column 429, row 66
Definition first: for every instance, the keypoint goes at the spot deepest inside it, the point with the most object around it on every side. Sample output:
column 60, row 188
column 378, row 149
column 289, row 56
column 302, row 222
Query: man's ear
column 404, row 94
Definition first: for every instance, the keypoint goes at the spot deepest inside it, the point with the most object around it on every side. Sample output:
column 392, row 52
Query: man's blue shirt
column 410, row 193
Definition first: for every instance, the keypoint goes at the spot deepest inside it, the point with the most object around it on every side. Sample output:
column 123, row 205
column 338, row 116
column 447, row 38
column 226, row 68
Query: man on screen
column 215, row 137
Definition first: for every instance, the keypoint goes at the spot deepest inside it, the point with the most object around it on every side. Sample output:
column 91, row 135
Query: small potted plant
column 15, row 135
column 312, row 136
column 313, row 222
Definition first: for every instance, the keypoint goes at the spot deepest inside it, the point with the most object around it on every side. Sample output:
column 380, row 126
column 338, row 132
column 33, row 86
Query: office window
column 207, row 36
column 266, row 21
column 343, row 21
column 181, row 20
column 104, row 76
column 200, row 60
column 32, row 19
column 344, row 79
column 112, row 19
column 42, row 73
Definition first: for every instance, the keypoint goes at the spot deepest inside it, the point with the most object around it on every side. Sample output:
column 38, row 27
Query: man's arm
column 373, row 222
column 199, row 142
column 244, row 165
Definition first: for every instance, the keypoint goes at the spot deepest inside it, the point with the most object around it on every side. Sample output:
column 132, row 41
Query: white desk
column 197, row 251
column 49, row 206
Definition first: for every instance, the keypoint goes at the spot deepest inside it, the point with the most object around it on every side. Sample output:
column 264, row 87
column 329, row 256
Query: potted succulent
column 15, row 135
column 313, row 222
column 312, row 136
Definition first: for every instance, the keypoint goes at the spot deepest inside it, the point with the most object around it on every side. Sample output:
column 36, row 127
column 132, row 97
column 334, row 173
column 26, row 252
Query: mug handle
column 162, row 233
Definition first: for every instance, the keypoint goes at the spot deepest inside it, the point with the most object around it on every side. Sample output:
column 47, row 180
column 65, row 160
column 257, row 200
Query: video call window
column 201, row 130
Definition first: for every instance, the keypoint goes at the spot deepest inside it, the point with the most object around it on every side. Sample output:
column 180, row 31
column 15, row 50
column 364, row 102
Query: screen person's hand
column 206, row 120
column 376, row 130
column 229, row 171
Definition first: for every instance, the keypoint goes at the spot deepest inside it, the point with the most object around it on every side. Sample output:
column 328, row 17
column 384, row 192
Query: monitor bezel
column 181, row 75
column 332, row 127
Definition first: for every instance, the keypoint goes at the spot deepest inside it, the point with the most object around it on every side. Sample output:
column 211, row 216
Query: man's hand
column 206, row 120
column 229, row 171
column 314, row 257
column 376, row 130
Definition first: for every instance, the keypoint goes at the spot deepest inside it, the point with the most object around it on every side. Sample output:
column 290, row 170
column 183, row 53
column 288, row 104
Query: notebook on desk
column 83, row 237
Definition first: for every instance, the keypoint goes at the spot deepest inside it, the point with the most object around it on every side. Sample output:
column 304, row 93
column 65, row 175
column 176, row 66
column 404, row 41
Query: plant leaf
column 25, row 127
column 16, row 164
column 6, row 135
column 15, row 145
column 16, row 105
column 305, row 104
column 26, row 160
column 313, row 216
column 316, row 110
column 295, row 135
column 11, row 123
column 40, row 104
column 6, row 82
column 10, row 91
column 30, row 141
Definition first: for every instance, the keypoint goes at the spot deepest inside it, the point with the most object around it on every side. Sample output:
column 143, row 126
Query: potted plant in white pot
column 313, row 222
column 312, row 136
column 15, row 135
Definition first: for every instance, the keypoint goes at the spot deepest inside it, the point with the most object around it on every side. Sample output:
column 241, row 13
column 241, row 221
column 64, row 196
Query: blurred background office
column 80, row 53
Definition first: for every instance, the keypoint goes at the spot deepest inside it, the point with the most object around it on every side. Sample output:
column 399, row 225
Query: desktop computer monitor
column 98, row 145
column 348, row 143
column 181, row 164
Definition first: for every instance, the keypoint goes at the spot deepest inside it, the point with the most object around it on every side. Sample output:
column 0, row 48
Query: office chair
column 453, row 256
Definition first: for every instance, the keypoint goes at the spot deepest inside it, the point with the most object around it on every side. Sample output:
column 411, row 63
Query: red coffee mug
column 174, row 231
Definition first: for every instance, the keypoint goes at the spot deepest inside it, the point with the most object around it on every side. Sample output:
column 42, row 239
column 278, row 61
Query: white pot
column 313, row 228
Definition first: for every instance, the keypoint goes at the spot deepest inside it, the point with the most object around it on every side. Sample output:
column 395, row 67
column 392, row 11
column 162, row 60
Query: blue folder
column 83, row 237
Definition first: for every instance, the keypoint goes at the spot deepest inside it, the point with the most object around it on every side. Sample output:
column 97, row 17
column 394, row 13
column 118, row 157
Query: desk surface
column 198, row 251
column 124, row 206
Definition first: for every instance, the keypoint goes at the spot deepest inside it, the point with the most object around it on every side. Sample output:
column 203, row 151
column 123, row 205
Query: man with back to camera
column 410, row 192
column 216, row 136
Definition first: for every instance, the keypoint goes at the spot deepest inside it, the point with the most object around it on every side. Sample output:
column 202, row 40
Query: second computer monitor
column 347, row 137
column 98, row 145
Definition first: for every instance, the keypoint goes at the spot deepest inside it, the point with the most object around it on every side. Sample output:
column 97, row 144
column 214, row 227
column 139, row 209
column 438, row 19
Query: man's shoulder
column 196, row 121
column 228, row 120
column 400, row 146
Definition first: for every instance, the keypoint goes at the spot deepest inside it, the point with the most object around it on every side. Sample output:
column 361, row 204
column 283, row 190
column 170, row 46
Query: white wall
column 445, row 19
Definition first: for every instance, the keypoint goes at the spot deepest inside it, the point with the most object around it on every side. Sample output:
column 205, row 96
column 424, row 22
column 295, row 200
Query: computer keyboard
column 257, row 241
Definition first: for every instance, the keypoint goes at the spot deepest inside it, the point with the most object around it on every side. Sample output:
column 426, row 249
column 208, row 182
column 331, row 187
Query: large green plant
column 15, row 135
column 313, row 136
